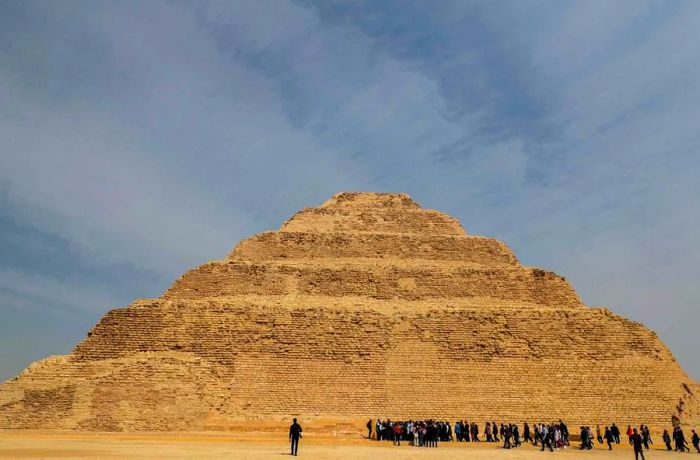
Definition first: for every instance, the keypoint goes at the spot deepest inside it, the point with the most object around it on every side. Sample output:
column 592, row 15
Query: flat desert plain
column 49, row 445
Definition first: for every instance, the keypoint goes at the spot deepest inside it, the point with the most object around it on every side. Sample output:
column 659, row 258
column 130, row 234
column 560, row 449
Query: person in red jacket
column 397, row 434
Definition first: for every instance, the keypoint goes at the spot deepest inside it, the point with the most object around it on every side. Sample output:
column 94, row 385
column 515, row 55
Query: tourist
column 630, row 432
column 495, row 432
column 558, row 438
column 294, row 436
column 458, row 430
column 378, row 430
column 487, row 432
column 564, row 432
column 506, row 438
column 695, row 439
column 599, row 434
column 616, row 433
column 646, row 436
column 681, row 443
column 420, row 434
column 537, row 434
column 586, row 438
column 397, row 434
column 547, row 435
column 526, row 433
column 609, row 438
column 369, row 429
column 432, row 434
column 667, row 440
column 636, row 441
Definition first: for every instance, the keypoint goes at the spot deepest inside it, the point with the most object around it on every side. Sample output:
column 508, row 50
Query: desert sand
column 47, row 445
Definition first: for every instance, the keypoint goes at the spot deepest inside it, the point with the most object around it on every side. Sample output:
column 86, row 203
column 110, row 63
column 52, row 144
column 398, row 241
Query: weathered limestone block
column 365, row 306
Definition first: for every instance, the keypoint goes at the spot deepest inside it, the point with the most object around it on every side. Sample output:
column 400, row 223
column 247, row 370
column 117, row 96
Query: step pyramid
column 368, row 305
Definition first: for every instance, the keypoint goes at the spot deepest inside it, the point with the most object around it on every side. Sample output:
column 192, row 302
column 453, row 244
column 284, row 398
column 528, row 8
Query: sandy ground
column 43, row 445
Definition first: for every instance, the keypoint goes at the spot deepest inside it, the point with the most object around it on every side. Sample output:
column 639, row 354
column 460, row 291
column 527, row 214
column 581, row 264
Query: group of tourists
column 419, row 433
column 427, row 433
column 680, row 444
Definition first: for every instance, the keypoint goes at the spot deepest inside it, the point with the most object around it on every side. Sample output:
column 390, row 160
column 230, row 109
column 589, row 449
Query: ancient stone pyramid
column 365, row 306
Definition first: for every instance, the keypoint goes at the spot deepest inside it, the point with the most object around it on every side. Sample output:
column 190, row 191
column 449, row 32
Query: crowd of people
column 419, row 433
column 427, row 433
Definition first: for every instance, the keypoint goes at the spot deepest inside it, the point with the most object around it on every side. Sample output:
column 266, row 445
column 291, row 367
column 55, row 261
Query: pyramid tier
column 372, row 213
column 220, row 330
column 363, row 200
column 200, row 363
column 381, row 281
column 271, row 246
column 373, row 219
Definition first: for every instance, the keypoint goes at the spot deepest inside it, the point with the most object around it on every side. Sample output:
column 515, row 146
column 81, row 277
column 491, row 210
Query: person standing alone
column 294, row 435
column 637, row 442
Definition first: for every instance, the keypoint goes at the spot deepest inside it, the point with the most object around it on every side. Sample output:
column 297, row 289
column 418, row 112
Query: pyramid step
column 228, row 278
column 373, row 220
column 308, row 245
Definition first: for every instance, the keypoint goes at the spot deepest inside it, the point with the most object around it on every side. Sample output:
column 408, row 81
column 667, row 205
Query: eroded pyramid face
column 365, row 306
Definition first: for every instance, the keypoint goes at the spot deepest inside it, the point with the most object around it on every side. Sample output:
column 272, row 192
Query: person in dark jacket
column 695, row 439
column 681, row 443
column 584, row 438
column 638, row 443
column 369, row 429
column 564, row 432
column 616, row 433
column 526, row 433
column 507, row 435
column 294, row 436
column 667, row 440
column 646, row 436
column 609, row 438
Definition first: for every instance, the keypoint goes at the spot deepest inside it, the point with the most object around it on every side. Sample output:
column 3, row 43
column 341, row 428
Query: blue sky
column 139, row 139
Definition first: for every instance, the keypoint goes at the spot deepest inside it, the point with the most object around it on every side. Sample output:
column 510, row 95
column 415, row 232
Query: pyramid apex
column 380, row 199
